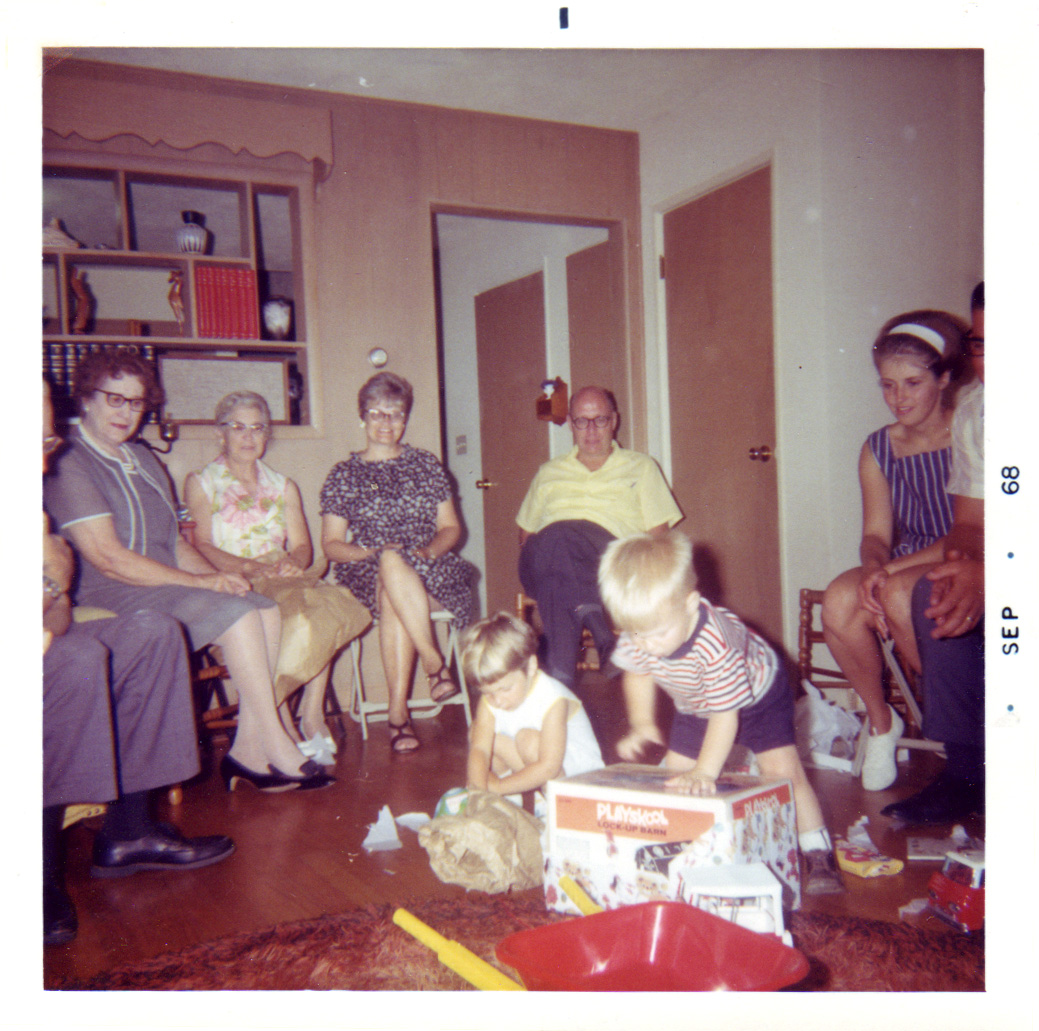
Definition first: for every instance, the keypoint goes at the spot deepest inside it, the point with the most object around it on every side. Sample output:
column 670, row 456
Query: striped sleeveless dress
column 922, row 508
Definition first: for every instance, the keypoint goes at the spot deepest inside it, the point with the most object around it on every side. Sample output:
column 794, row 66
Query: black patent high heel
column 234, row 773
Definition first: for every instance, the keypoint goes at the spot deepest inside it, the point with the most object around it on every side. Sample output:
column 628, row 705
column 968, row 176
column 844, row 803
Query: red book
column 252, row 306
column 225, row 303
column 241, row 304
column 203, row 301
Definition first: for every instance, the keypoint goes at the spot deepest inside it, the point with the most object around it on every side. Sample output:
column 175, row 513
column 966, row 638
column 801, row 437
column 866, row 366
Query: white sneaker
column 878, row 767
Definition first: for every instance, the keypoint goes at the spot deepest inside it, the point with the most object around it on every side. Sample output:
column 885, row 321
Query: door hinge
column 662, row 274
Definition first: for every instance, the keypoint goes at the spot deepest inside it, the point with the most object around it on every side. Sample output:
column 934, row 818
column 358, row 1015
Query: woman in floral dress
column 388, row 525
column 249, row 520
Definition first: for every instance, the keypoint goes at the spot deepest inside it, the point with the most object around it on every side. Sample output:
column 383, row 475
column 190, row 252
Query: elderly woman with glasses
column 112, row 499
column 249, row 520
column 388, row 525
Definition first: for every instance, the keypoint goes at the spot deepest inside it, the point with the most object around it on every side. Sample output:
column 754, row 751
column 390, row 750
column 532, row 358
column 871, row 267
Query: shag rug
column 363, row 949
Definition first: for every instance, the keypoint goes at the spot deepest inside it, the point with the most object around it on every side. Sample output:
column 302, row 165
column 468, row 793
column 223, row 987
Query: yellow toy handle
column 579, row 896
column 457, row 957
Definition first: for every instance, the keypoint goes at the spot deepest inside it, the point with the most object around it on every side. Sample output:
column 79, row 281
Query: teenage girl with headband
column 903, row 470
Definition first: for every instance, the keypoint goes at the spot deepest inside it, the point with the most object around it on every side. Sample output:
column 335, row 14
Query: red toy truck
column 957, row 892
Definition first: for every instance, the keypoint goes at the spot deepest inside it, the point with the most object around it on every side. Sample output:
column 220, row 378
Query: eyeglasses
column 241, row 427
column 51, row 444
column 975, row 345
column 581, row 423
column 376, row 415
column 137, row 404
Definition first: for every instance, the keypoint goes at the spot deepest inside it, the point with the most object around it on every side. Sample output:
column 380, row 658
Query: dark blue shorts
column 767, row 724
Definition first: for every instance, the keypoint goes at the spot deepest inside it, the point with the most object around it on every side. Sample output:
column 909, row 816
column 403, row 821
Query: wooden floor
column 300, row 855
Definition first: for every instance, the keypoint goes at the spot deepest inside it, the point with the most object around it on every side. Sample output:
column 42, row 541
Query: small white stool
column 748, row 894
column 363, row 711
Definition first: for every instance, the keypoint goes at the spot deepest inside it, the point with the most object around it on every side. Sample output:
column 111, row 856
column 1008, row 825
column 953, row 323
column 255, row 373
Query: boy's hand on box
column 694, row 782
column 631, row 746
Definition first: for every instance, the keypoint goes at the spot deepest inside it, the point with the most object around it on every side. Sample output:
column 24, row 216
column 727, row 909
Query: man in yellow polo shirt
column 574, row 507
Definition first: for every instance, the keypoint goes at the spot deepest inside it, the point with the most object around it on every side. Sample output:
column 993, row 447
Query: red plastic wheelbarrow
column 651, row 947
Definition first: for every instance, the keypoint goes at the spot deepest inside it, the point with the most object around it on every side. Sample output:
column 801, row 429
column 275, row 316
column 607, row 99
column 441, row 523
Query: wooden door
column 595, row 302
column 718, row 277
column 510, row 359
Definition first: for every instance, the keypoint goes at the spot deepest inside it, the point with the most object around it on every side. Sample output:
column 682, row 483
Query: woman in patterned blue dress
column 903, row 469
column 388, row 526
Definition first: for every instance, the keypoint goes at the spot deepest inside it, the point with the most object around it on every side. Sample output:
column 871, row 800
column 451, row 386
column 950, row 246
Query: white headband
column 925, row 333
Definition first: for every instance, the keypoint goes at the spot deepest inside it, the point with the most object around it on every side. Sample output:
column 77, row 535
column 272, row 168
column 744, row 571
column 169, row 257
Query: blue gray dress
column 922, row 509
column 135, row 491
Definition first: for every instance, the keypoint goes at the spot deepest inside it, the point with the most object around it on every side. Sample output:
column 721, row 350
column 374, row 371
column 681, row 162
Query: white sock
column 814, row 841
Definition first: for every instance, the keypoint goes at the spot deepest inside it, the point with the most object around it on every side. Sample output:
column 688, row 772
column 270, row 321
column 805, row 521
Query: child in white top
column 529, row 728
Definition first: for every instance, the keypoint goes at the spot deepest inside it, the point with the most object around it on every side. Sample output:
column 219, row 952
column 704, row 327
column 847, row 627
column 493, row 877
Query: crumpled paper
column 818, row 724
column 492, row 846
column 857, row 854
column 382, row 835
column 936, row 848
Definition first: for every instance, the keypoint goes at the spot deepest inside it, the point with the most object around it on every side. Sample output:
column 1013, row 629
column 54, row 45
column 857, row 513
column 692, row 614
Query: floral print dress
column 395, row 502
column 246, row 523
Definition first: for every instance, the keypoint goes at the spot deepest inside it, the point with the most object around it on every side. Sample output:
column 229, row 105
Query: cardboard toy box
column 624, row 838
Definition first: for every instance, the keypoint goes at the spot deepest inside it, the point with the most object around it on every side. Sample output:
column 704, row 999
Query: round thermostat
column 378, row 357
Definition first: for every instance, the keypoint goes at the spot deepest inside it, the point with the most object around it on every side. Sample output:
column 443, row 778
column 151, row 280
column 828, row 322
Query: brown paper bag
column 491, row 846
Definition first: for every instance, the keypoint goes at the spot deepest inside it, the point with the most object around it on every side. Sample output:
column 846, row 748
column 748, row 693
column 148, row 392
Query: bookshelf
column 116, row 272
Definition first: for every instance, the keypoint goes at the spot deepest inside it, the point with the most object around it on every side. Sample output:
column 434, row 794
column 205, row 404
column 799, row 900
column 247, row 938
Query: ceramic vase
column 192, row 236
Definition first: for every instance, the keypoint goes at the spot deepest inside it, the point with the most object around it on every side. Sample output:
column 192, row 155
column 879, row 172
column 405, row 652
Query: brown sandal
column 441, row 686
column 400, row 733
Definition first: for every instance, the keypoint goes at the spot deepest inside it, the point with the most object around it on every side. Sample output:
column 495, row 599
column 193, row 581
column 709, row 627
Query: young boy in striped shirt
column 727, row 684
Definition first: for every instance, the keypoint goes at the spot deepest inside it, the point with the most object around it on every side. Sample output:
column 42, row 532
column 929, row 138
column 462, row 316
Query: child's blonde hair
column 641, row 578
column 495, row 646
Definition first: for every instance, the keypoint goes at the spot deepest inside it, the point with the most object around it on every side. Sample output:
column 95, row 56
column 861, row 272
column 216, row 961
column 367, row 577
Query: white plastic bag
column 819, row 724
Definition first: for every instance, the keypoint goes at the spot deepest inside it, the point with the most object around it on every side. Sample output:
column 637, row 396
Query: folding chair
column 362, row 710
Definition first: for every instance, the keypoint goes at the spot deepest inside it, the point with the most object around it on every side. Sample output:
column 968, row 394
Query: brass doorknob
column 762, row 454
column 485, row 484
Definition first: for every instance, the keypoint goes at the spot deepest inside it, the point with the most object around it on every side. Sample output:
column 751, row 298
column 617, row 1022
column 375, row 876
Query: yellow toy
column 456, row 957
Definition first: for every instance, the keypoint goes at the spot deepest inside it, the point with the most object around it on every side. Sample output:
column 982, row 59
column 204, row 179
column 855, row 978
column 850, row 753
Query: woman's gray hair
column 245, row 399
column 386, row 387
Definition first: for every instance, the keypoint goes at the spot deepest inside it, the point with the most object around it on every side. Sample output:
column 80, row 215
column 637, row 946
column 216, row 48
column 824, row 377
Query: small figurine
column 55, row 237
column 551, row 406
column 176, row 297
column 84, row 301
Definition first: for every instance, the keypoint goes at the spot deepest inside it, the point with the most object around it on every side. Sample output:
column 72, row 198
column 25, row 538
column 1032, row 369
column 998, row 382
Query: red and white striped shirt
column 724, row 665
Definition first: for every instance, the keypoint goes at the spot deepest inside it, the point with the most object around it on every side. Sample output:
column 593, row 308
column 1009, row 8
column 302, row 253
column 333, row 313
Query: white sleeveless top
column 582, row 750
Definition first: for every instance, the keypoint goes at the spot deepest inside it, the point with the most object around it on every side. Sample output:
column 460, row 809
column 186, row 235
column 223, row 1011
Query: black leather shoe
column 59, row 916
column 311, row 777
column 164, row 848
column 947, row 800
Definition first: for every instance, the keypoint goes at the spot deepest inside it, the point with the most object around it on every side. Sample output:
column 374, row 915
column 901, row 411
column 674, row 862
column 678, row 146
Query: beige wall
column 877, row 208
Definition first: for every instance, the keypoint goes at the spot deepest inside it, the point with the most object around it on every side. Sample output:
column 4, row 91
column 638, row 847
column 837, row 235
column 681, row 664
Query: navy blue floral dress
column 396, row 501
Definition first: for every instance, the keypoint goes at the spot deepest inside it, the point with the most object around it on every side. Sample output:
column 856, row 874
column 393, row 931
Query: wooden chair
column 362, row 710
column 527, row 610
column 218, row 713
column 899, row 684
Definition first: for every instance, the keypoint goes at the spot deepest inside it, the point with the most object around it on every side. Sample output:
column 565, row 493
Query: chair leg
column 456, row 651
column 333, row 710
column 357, row 700
column 887, row 646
